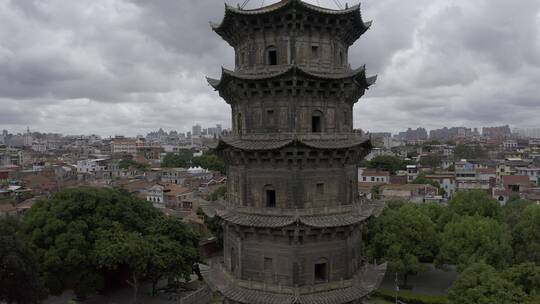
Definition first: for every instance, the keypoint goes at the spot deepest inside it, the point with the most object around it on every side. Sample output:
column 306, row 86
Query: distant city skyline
column 528, row 132
column 129, row 66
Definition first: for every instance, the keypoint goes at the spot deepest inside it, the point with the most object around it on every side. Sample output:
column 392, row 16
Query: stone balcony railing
column 276, row 136
column 361, row 206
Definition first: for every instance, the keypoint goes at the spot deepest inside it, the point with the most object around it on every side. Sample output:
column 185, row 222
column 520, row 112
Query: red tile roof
column 516, row 180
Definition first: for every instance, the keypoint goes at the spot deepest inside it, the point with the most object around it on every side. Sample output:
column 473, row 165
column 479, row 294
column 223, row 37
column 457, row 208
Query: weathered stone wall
column 312, row 50
column 271, row 114
column 282, row 258
column 294, row 188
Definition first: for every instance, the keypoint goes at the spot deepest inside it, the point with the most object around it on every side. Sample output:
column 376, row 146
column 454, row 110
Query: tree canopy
column 19, row 277
column 185, row 159
column 81, row 234
column 470, row 203
column 467, row 151
column 403, row 237
column 431, row 160
column 527, row 235
column 482, row 284
column 181, row 159
column 210, row 161
column 526, row 276
column 471, row 239
column 131, row 164
column 386, row 163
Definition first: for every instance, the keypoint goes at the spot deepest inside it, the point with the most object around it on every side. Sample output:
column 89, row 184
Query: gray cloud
column 130, row 66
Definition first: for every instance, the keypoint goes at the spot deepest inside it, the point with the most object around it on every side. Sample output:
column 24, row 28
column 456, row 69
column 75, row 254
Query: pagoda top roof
column 228, row 75
column 284, row 3
column 228, row 28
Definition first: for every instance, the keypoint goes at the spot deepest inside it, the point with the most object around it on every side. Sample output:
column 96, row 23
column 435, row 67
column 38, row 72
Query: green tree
column 210, row 161
column 431, row 160
column 470, row 239
column 131, row 164
column 513, row 210
column 387, row 163
column 19, row 277
column 220, row 192
column 182, row 159
column 482, row 284
column 403, row 237
column 72, row 229
column 466, row 151
column 527, row 236
column 470, row 203
column 526, row 276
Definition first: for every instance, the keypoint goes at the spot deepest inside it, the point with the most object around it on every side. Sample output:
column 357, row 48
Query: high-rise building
column 196, row 130
column 293, row 218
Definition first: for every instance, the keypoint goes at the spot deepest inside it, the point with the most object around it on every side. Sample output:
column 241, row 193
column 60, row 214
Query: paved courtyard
column 432, row 282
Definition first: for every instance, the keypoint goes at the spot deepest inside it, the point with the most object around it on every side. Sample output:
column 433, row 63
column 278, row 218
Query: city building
column 123, row 145
column 447, row 182
column 409, row 193
column 293, row 220
column 373, row 176
column 92, row 165
column 196, row 131
column 412, row 173
column 532, row 172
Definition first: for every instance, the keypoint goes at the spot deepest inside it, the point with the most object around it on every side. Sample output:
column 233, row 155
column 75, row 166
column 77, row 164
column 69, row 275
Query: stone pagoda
column 293, row 218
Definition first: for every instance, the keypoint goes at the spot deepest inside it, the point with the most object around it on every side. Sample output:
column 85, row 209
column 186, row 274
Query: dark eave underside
column 228, row 31
column 322, row 143
column 314, row 221
column 358, row 74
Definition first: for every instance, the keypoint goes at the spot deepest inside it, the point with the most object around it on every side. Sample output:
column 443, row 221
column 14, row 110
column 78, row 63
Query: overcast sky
column 131, row 66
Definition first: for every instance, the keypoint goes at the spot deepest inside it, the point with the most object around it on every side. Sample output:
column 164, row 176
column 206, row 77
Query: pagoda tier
column 278, row 252
column 294, row 81
column 288, row 15
column 365, row 281
column 302, row 171
column 291, row 32
column 290, row 99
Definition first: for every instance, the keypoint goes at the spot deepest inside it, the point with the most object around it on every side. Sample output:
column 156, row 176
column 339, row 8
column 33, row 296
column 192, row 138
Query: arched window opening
column 270, row 118
column 270, row 196
column 243, row 58
column 315, row 52
column 233, row 260
column 316, row 122
column 321, row 271
column 271, row 55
